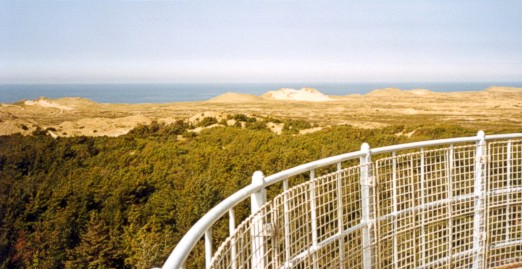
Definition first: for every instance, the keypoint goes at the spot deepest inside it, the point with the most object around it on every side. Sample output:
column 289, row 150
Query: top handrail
column 503, row 136
column 297, row 170
column 196, row 232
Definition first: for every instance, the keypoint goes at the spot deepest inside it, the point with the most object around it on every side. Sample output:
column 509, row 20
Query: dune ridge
column 304, row 94
column 232, row 97
column 46, row 103
column 72, row 116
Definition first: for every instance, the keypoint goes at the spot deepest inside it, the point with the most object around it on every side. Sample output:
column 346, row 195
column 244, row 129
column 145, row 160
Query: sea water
column 187, row 92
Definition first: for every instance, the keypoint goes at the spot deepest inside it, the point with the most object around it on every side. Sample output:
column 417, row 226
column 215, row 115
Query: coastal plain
column 494, row 108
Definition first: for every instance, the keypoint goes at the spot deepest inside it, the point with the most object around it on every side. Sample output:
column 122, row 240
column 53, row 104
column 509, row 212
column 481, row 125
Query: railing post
column 394, row 213
column 340, row 215
column 208, row 247
column 286, row 220
column 313, row 216
column 257, row 200
column 508, row 187
column 478, row 219
column 423, row 196
column 366, row 183
column 231, row 230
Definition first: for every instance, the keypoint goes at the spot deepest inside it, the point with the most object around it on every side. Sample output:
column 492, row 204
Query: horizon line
column 250, row 82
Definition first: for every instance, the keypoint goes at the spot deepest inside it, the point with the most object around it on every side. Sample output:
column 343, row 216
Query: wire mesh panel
column 462, row 206
column 251, row 238
column 440, row 208
column 505, row 203
column 299, row 219
column 425, row 208
column 351, row 216
column 395, row 192
column 281, row 231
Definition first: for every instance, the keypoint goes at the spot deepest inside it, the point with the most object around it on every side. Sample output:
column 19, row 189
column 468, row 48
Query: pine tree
column 147, row 246
column 95, row 250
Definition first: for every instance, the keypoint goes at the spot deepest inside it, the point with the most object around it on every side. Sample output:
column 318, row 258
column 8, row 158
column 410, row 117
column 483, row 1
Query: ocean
column 187, row 92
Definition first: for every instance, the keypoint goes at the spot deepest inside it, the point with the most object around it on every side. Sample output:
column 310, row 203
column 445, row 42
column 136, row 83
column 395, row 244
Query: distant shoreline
column 494, row 107
column 125, row 93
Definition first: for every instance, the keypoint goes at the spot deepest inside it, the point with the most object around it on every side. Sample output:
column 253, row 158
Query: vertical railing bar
column 373, row 213
column 313, row 213
column 508, row 195
column 450, row 205
column 486, row 183
column 231, row 230
column 286, row 220
column 394, row 201
column 257, row 200
column 340, row 215
column 423, row 233
column 274, row 239
column 208, row 248
column 413, row 205
column 484, row 197
column 365, row 183
column 478, row 218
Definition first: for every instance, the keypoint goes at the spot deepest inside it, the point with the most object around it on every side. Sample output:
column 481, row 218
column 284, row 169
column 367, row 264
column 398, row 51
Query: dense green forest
column 124, row 202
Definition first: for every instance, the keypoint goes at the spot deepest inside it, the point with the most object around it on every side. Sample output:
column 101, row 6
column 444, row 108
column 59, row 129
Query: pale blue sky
column 260, row 41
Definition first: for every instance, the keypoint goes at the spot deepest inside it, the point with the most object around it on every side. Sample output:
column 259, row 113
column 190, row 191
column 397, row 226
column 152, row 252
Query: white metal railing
column 454, row 203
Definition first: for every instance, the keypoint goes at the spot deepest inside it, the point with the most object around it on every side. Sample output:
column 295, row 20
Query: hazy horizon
column 260, row 41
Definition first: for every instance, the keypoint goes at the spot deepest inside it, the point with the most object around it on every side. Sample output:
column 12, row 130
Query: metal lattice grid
column 505, row 203
column 284, row 229
column 445, row 207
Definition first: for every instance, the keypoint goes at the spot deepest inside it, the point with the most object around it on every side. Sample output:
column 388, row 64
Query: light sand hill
column 499, row 89
column 46, row 103
column 305, row 94
column 394, row 92
column 493, row 108
column 231, row 97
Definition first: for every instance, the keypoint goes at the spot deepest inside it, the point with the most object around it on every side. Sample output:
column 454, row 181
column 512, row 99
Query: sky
column 260, row 41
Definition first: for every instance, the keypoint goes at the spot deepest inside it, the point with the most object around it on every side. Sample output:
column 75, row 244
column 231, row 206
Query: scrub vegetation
column 124, row 202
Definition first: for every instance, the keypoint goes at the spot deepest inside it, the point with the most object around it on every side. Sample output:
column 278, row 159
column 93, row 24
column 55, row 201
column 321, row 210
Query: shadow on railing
column 452, row 202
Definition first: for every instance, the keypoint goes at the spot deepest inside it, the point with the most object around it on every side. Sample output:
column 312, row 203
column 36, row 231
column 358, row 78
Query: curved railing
column 453, row 203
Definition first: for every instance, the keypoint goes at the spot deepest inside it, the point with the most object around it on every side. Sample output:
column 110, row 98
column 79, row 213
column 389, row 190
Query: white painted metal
column 394, row 212
column 257, row 200
column 208, row 248
column 231, row 230
column 366, row 225
column 313, row 213
column 508, row 186
column 449, row 206
column 187, row 243
column 422, row 229
column 366, row 182
column 275, row 241
column 286, row 219
column 340, row 215
column 478, row 219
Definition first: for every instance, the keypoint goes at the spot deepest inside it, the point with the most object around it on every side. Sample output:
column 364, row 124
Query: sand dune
column 394, row 92
column 305, row 94
column 499, row 89
column 44, row 102
column 231, row 97
column 495, row 107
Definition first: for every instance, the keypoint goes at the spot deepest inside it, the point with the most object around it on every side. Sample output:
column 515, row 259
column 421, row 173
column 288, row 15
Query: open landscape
column 260, row 134
column 494, row 108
